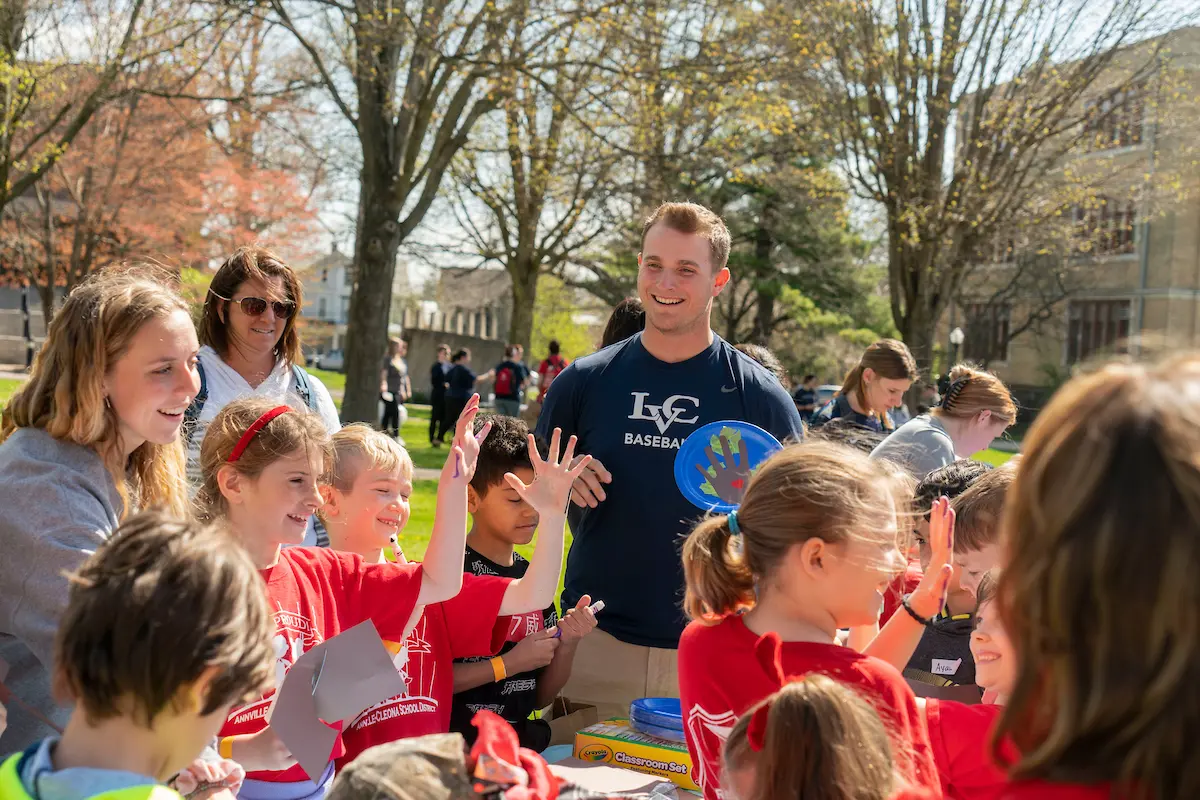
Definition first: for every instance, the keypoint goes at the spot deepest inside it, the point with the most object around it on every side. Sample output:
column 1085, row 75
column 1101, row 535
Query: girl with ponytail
column 815, row 543
column 876, row 385
column 977, row 408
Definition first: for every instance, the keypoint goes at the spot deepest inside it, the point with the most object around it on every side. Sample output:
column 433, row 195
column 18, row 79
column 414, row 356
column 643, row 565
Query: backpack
column 505, row 386
column 192, row 415
column 551, row 368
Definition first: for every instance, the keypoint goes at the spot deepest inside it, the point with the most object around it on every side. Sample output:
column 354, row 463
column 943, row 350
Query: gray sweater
column 920, row 446
column 57, row 504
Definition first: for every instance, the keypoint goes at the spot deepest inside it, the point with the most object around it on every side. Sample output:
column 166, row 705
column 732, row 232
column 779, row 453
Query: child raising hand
column 812, row 549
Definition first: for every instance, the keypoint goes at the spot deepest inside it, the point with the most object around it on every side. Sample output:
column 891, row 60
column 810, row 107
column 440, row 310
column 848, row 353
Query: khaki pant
column 611, row 674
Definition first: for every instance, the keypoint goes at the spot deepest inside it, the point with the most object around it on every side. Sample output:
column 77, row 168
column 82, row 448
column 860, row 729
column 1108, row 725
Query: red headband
column 769, row 652
column 253, row 430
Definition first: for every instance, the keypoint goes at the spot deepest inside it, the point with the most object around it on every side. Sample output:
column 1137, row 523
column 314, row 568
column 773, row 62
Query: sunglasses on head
column 257, row 306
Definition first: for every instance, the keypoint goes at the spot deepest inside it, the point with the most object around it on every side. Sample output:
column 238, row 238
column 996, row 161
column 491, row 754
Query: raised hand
column 930, row 595
column 464, row 449
column 731, row 478
column 552, row 477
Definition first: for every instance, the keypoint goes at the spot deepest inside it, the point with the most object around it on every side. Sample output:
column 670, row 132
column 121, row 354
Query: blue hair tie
column 731, row 519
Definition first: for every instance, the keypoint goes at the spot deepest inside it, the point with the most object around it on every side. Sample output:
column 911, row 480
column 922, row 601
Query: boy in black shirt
column 534, row 664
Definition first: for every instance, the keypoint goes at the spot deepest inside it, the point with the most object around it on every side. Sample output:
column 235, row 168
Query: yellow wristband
column 225, row 747
column 498, row 669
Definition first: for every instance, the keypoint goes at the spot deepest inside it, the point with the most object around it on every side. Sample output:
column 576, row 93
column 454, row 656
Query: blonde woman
column 977, row 408
column 92, row 437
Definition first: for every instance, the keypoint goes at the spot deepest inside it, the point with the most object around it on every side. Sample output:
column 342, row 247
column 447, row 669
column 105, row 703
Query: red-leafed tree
column 145, row 180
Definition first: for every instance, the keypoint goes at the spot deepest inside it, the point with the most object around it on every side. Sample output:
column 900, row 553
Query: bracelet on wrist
column 498, row 669
column 926, row 621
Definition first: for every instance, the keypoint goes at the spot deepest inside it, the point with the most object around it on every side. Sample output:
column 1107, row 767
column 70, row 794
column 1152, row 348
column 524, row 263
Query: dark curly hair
column 506, row 448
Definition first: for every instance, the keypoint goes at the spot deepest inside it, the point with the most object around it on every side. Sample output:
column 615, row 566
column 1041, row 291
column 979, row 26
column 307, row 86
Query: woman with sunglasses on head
column 250, row 347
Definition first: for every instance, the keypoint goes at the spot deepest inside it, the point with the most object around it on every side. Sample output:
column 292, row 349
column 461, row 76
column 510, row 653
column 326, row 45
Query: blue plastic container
column 657, row 716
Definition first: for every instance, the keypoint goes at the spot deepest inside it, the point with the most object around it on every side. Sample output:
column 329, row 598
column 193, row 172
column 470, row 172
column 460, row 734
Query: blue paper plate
column 663, row 712
column 696, row 487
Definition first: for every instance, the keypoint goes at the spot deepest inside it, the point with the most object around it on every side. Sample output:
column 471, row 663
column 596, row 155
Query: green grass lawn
column 993, row 457
column 7, row 387
column 335, row 382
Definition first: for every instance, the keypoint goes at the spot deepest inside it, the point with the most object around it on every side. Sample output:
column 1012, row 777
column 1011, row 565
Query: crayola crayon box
column 614, row 742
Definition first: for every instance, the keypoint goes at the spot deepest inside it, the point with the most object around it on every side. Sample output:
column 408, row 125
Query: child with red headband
column 261, row 466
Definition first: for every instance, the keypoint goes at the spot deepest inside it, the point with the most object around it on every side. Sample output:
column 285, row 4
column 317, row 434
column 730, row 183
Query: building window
column 1096, row 326
column 1106, row 227
column 345, row 311
column 321, row 310
column 986, row 332
column 1115, row 120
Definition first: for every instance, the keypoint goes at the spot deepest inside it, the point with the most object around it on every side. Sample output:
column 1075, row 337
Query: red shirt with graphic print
column 468, row 625
column 720, row 679
column 316, row 594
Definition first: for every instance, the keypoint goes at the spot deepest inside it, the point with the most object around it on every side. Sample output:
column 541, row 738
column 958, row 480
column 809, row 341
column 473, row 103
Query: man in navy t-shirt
column 632, row 405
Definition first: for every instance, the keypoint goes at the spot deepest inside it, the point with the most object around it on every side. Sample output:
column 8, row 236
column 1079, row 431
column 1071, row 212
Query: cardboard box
column 614, row 742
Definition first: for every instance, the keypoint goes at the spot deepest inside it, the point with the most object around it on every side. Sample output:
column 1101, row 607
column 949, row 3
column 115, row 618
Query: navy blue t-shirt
column 461, row 380
column 840, row 407
column 437, row 378
column 632, row 412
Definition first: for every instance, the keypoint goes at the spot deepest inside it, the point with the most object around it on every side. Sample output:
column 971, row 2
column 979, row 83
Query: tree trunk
column 524, row 274
column 370, row 300
column 764, row 317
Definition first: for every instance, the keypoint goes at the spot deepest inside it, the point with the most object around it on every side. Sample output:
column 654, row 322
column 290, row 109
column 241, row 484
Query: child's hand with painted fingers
column 928, row 599
column 729, row 479
column 464, row 449
column 578, row 622
column 553, row 478
column 262, row 752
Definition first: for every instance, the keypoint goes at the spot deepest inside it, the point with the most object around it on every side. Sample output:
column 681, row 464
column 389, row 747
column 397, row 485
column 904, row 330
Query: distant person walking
column 460, row 385
column 394, row 387
column 549, row 369
column 437, row 395
column 510, row 382
column 805, row 397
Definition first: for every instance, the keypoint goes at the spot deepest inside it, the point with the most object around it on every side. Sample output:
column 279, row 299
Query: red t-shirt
column 549, row 369
column 961, row 740
column 316, row 594
column 1045, row 790
column 904, row 584
column 720, row 679
column 464, row 626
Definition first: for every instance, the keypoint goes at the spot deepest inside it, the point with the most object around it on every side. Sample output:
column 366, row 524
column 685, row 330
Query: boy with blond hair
column 977, row 525
column 166, row 629
column 366, row 496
